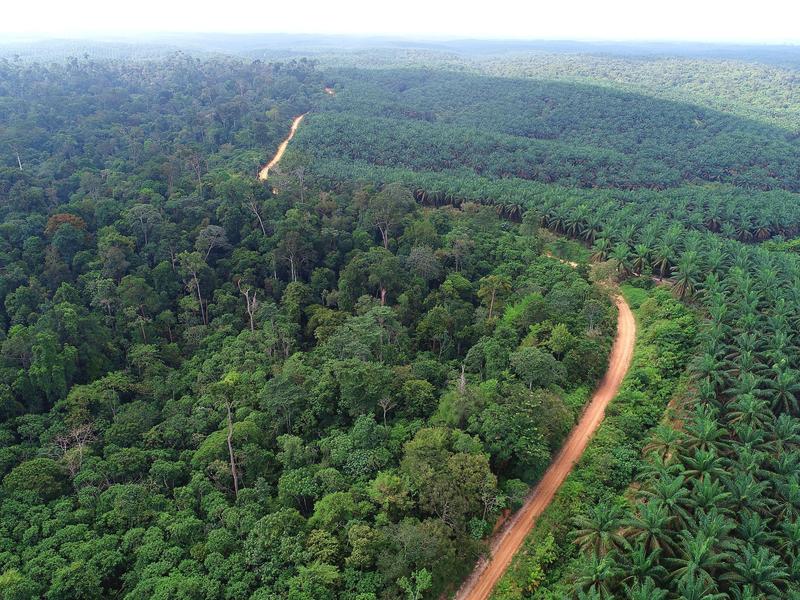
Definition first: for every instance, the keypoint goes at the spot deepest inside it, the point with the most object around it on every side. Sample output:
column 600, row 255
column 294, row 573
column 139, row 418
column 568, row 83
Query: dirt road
column 487, row 573
column 264, row 172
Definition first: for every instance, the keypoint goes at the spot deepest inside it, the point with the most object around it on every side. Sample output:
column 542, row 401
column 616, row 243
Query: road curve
column 264, row 172
column 487, row 573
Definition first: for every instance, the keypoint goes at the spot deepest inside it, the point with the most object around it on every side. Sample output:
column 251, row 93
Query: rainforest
column 399, row 322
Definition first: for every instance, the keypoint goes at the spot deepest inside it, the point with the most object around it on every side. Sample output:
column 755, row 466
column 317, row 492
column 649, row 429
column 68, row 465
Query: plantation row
column 473, row 161
column 664, row 142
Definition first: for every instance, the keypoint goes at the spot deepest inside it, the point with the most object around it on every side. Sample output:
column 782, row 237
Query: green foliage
column 42, row 476
column 533, row 365
column 416, row 586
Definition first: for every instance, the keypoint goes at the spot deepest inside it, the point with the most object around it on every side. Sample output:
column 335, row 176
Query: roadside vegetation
column 667, row 335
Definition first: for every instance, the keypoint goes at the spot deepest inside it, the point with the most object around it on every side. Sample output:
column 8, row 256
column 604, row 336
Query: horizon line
column 127, row 35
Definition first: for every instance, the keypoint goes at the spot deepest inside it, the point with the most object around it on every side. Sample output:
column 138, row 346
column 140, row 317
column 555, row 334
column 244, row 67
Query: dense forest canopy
column 333, row 384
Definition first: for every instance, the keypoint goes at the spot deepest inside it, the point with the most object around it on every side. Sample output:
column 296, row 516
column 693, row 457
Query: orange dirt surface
column 264, row 172
column 487, row 573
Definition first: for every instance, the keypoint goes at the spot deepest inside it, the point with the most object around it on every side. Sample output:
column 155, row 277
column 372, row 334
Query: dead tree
column 252, row 204
column 386, row 404
column 251, row 302
column 72, row 446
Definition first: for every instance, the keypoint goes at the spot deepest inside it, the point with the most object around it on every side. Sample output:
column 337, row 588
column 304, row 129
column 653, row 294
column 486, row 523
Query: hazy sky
column 704, row 20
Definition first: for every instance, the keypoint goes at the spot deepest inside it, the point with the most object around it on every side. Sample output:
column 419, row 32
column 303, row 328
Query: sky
column 761, row 21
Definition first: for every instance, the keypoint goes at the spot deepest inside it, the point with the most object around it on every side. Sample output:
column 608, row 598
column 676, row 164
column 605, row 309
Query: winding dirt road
column 264, row 172
column 487, row 573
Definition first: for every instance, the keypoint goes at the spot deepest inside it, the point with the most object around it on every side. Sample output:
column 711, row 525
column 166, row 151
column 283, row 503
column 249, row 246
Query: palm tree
column 779, row 344
column 744, row 229
column 747, row 435
column 641, row 258
column 787, row 497
column 664, row 442
column 556, row 220
column 574, row 222
column 601, row 249
column 694, row 587
column 662, row 259
column 672, row 493
column 760, row 569
column 784, row 464
column 710, row 494
column 622, row 254
column 746, row 383
column 700, row 558
column 786, row 432
column 599, row 531
column 750, row 461
column 744, row 340
column 510, row 210
column 714, row 524
column 709, row 368
column 749, row 409
column 785, row 385
column 755, row 528
column 728, row 230
column 592, row 227
column 656, row 467
column 686, row 274
column 589, row 594
column 714, row 290
column 747, row 493
column 703, row 463
column 790, row 540
column 646, row 590
column 744, row 593
column 704, row 432
column 713, row 216
column 598, row 574
column 626, row 234
column 642, row 565
column 716, row 259
column 651, row 528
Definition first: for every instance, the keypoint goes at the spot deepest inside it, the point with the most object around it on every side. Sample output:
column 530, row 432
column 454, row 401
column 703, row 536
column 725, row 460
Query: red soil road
column 487, row 573
column 264, row 172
